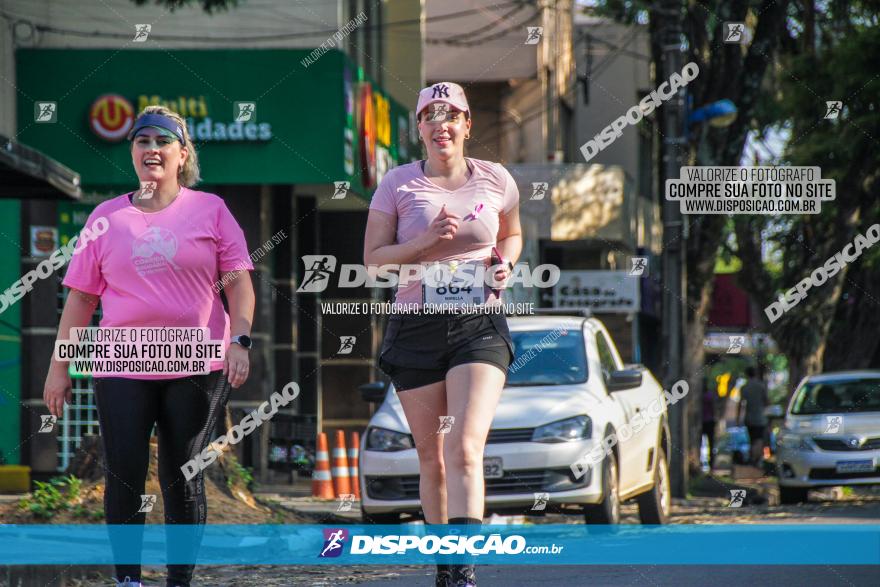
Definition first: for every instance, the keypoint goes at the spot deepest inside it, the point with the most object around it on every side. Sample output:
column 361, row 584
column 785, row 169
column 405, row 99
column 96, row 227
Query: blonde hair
column 188, row 175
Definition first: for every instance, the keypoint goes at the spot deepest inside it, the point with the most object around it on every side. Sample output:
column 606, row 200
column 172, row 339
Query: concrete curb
column 320, row 510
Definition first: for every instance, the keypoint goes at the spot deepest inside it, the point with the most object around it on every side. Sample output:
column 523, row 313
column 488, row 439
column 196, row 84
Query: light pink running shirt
column 415, row 201
column 159, row 268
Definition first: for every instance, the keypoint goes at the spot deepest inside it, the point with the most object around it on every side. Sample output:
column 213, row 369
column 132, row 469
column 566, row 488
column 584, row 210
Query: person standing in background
column 754, row 395
column 710, row 395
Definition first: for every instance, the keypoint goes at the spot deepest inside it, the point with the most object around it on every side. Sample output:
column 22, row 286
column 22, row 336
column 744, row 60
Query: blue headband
column 159, row 121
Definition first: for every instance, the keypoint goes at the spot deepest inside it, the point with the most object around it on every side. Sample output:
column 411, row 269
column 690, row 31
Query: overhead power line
column 492, row 37
column 488, row 27
column 257, row 38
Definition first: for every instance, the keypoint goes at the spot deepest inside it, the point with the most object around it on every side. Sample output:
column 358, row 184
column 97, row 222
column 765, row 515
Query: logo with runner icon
column 446, row 423
column 334, row 538
column 833, row 424
column 148, row 502
column 346, row 345
column 541, row 500
column 319, row 268
column 47, row 423
column 737, row 498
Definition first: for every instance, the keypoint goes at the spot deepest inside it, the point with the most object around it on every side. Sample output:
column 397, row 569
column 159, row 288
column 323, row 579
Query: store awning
column 27, row 173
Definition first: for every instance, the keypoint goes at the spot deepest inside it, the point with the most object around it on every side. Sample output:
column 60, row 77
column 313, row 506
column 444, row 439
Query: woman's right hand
column 443, row 227
column 57, row 389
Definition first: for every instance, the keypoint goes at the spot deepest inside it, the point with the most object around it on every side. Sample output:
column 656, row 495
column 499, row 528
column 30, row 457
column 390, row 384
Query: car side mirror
column 373, row 392
column 624, row 379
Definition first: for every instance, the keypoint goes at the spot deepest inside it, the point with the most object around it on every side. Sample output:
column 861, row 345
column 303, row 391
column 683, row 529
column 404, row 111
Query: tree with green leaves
column 740, row 73
column 837, row 322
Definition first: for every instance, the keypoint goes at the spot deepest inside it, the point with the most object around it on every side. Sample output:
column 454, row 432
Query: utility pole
column 674, row 233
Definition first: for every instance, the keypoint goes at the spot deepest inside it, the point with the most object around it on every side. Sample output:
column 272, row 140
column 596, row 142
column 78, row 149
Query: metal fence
column 80, row 416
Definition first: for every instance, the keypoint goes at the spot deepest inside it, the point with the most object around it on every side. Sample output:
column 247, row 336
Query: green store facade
column 303, row 163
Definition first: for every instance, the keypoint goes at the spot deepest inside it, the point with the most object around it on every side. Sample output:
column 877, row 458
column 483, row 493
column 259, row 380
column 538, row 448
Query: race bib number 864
column 453, row 284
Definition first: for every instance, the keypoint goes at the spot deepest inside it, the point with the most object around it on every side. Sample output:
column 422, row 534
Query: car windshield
column 850, row 395
column 547, row 357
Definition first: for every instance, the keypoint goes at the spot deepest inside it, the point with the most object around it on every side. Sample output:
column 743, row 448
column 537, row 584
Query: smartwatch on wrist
column 243, row 339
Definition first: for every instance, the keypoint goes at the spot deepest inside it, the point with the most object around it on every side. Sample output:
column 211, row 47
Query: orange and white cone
column 322, row 485
column 353, row 453
column 341, row 481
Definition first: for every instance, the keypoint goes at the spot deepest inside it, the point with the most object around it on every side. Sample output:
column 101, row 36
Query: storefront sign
column 313, row 126
column 601, row 291
column 111, row 116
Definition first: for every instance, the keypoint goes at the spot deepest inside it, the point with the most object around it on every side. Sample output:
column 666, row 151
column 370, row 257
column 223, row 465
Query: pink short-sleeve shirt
column 159, row 268
column 414, row 201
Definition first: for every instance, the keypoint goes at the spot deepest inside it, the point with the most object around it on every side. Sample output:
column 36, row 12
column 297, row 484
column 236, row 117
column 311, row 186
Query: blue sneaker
column 128, row 583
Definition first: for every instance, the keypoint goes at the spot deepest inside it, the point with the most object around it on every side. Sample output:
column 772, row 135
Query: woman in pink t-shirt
column 449, row 368
column 164, row 255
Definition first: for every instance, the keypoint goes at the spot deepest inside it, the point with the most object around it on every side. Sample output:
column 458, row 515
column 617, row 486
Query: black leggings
column 185, row 412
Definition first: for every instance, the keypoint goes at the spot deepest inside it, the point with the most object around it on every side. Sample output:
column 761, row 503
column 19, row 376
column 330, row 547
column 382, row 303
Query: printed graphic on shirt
column 154, row 251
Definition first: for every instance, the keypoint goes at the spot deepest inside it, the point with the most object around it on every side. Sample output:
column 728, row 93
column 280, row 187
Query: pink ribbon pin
column 477, row 209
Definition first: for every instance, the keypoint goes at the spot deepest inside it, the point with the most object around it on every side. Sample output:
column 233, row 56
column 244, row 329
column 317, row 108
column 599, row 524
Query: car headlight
column 388, row 440
column 795, row 442
column 566, row 430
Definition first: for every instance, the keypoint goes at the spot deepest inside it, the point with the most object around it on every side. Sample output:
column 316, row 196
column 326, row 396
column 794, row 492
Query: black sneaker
column 443, row 579
column 464, row 576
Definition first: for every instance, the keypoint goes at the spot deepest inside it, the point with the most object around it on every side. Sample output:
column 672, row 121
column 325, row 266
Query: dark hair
column 750, row 371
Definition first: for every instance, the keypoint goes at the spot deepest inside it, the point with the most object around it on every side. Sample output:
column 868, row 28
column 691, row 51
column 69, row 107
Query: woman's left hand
column 501, row 274
column 236, row 364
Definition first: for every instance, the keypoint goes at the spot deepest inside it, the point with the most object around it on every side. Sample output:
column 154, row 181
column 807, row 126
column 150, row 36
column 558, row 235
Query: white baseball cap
column 446, row 92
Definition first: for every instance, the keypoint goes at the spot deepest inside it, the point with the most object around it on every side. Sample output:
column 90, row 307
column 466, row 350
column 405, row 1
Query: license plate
column 493, row 468
column 861, row 466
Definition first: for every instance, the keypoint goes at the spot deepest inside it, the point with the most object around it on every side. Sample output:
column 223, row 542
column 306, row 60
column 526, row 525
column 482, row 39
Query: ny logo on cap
column 440, row 91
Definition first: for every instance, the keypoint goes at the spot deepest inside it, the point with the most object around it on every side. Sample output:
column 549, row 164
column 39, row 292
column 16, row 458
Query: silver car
column 831, row 434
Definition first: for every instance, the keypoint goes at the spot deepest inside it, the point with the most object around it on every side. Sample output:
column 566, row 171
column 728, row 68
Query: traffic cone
column 322, row 485
column 341, row 483
column 353, row 453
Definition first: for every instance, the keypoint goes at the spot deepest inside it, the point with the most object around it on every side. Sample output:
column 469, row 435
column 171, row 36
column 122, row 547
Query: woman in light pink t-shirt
column 448, row 369
column 163, row 256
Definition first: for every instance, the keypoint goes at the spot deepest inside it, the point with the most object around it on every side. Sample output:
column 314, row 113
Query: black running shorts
column 419, row 349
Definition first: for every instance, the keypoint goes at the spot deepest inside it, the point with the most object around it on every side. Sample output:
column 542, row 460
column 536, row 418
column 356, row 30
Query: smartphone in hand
column 497, row 259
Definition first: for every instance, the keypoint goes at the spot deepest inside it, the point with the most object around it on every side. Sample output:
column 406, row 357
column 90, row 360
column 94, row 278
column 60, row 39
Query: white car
column 831, row 434
column 569, row 392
